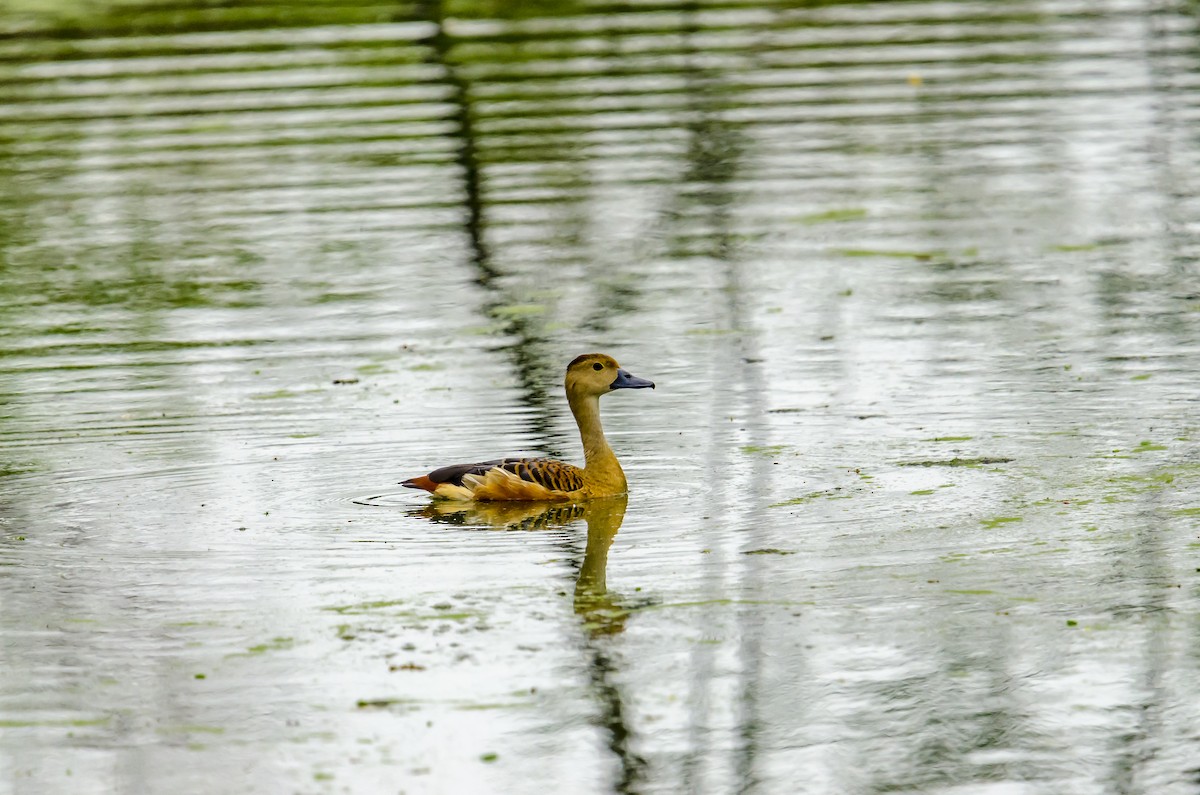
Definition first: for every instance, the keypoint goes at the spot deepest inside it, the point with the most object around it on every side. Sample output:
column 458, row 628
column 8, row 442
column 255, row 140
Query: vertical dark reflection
column 540, row 376
column 1145, row 564
column 532, row 357
column 715, row 151
column 441, row 45
column 602, row 614
column 1170, row 132
column 604, row 619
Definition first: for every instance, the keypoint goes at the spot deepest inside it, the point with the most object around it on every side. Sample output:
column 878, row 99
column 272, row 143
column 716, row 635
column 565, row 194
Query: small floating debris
column 957, row 462
column 769, row 551
column 382, row 703
column 344, row 381
column 406, row 667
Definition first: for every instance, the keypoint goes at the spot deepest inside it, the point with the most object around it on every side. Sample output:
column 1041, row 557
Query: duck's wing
column 548, row 479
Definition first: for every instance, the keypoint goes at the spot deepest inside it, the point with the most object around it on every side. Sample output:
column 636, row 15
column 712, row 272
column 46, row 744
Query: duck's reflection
column 601, row 613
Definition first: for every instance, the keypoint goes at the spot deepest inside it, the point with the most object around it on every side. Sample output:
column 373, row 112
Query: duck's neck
column 601, row 468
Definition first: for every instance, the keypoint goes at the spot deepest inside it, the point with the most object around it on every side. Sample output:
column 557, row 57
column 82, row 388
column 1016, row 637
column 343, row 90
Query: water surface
column 913, row 508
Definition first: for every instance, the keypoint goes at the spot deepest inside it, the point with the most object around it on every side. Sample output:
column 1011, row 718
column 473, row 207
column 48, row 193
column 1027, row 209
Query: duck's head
column 595, row 374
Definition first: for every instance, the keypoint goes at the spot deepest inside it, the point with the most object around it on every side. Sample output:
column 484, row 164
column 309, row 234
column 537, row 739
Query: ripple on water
column 261, row 262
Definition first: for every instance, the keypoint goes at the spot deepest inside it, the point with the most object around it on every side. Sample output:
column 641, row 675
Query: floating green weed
column 769, row 551
column 74, row 723
column 834, row 216
column 363, row 607
column 957, row 462
column 999, row 520
column 948, row 439
column 518, row 310
column 274, row 644
column 833, row 494
column 485, row 331
column 10, row 469
column 896, row 253
column 350, row 295
column 921, row 492
column 384, row 703
column 1147, row 446
column 1142, row 377
column 767, row 450
column 278, row 394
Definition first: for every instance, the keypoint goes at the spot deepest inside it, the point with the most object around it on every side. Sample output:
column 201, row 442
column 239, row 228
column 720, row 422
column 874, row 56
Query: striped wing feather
column 508, row 479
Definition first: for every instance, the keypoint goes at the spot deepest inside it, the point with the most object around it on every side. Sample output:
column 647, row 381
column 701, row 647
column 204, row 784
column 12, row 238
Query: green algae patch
column 1148, row 446
column 812, row 495
column 1142, row 377
column 834, row 216
column 892, row 253
column 274, row 644
column 702, row 332
column 1188, row 511
column 765, row 450
column 385, row 703
column 70, row 723
column 921, row 492
column 999, row 520
column 949, row 439
column 10, row 469
column 363, row 607
column 518, row 310
column 958, row 462
column 769, row 551
column 281, row 394
column 488, row 757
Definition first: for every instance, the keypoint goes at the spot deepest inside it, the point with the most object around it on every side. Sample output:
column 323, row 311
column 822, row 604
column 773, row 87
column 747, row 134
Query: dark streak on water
column 918, row 283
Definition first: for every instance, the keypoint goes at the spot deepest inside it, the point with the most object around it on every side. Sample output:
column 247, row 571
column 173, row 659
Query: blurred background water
column 913, row 508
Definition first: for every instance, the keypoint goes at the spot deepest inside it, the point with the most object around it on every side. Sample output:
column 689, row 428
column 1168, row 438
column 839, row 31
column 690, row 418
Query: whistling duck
column 588, row 377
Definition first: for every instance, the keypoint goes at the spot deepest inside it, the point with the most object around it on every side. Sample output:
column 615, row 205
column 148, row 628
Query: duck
column 588, row 377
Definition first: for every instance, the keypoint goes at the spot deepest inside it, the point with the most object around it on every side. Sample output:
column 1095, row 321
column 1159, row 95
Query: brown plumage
column 538, row 479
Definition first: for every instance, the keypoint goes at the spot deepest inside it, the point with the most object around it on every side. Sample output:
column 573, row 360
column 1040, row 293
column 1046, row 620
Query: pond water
column 915, row 506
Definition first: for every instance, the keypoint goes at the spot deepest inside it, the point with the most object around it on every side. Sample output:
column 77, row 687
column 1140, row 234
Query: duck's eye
column 597, row 366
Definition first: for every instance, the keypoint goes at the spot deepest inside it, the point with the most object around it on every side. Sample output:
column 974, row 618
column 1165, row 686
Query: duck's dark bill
column 626, row 381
